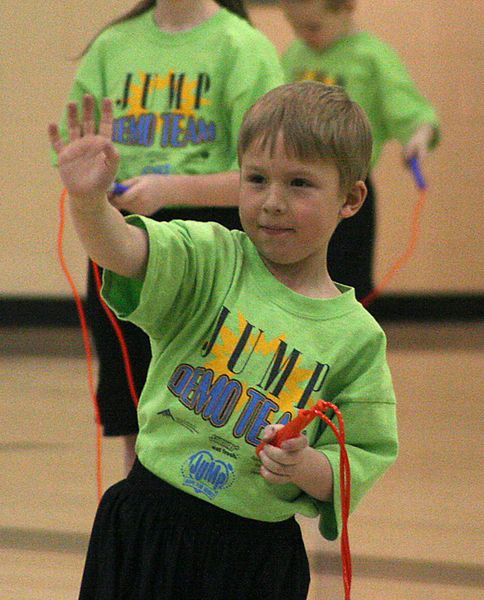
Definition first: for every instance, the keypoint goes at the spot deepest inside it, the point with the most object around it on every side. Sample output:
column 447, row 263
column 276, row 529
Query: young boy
column 246, row 328
column 331, row 49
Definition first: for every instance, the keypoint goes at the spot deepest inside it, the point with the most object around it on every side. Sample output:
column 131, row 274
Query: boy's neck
column 292, row 276
column 348, row 28
column 180, row 15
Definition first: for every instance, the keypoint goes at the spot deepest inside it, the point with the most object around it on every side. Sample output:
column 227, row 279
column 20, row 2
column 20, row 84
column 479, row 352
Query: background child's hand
column 419, row 144
column 146, row 194
column 279, row 465
column 89, row 161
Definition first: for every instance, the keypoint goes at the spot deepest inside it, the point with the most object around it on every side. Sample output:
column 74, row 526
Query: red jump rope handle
column 293, row 428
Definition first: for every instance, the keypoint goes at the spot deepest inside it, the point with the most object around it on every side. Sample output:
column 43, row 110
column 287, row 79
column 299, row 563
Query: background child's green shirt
column 233, row 350
column 374, row 77
column 179, row 98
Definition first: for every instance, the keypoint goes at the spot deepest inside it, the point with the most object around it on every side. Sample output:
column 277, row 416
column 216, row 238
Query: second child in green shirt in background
column 331, row 49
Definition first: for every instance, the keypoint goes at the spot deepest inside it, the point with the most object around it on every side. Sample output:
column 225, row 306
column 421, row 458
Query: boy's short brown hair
column 316, row 121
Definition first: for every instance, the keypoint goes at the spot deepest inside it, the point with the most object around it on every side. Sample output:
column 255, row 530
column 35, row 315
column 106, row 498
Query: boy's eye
column 300, row 182
column 255, row 178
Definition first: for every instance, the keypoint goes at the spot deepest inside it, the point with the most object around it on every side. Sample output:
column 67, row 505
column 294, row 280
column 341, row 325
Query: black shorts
column 350, row 251
column 116, row 405
column 151, row 541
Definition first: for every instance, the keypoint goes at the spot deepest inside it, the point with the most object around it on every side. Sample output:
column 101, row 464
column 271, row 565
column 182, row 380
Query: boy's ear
column 353, row 200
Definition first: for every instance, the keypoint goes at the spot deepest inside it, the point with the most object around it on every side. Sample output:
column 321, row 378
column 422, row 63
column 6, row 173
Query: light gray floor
column 418, row 534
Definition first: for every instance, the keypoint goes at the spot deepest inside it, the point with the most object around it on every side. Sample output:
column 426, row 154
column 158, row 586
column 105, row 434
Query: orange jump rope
column 87, row 341
column 407, row 254
column 292, row 430
column 304, row 417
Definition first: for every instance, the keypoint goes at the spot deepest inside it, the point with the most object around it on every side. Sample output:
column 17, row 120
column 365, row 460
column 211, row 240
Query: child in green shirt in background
column 181, row 74
column 331, row 49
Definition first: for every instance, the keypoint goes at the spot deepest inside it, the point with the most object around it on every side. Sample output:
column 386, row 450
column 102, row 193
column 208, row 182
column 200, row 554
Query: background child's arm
column 296, row 462
column 87, row 166
column 420, row 143
column 148, row 193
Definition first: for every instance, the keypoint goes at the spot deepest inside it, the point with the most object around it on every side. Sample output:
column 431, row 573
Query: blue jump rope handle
column 118, row 188
column 417, row 173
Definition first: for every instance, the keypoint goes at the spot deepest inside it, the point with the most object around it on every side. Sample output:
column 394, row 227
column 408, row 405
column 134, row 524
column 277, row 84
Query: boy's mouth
column 275, row 230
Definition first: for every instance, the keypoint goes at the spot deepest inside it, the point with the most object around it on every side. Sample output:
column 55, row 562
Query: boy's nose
column 274, row 201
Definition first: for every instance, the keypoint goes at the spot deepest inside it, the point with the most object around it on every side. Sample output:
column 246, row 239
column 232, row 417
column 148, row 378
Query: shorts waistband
column 146, row 482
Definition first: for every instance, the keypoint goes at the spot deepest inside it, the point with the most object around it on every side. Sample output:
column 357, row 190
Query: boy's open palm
column 89, row 161
column 87, row 166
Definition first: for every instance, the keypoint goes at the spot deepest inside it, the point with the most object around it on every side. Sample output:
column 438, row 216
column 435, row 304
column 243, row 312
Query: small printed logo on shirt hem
column 206, row 474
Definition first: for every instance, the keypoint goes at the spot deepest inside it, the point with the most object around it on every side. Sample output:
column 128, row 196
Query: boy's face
column 315, row 23
column 289, row 208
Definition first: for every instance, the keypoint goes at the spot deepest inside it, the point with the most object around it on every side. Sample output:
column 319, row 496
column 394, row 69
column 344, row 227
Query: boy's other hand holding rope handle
column 87, row 166
column 294, row 461
column 280, row 463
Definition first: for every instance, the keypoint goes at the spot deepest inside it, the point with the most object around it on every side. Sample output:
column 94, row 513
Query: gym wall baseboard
column 61, row 312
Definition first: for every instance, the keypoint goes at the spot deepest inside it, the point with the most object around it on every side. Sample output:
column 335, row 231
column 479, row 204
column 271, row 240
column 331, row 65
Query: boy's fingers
column 130, row 182
column 88, row 118
column 106, row 122
column 295, row 444
column 55, row 138
column 278, row 467
column 73, row 125
column 280, row 456
column 269, row 433
column 110, row 152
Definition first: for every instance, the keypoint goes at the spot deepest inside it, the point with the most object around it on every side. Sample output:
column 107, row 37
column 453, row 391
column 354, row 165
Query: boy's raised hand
column 88, row 161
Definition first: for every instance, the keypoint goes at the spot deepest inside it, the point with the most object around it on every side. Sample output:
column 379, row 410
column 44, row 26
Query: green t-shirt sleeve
column 89, row 78
column 190, row 264
column 252, row 70
column 368, row 408
column 403, row 107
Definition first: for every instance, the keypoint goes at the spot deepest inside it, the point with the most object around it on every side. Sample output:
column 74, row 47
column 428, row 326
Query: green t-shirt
column 374, row 76
column 179, row 98
column 233, row 350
